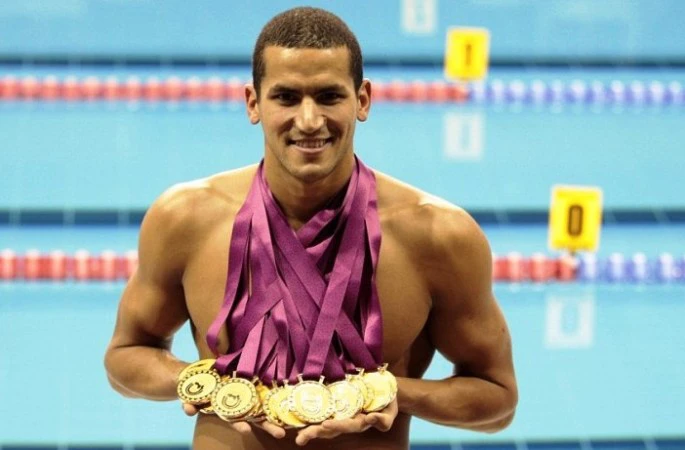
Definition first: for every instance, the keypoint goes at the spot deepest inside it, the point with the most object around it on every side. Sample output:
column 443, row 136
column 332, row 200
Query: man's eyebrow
column 324, row 88
column 281, row 88
column 331, row 87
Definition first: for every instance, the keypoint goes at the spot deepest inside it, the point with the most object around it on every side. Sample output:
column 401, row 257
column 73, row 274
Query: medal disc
column 311, row 401
column 196, row 388
column 347, row 398
column 234, row 398
column 197, row 366
column 391, row 378
column 257, row 412
column 384, row 386
column 280, row 405
column 367, row 392
column 270, row 403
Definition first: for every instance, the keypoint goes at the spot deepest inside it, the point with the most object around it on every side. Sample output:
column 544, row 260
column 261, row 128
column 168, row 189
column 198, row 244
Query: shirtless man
column 433, row 276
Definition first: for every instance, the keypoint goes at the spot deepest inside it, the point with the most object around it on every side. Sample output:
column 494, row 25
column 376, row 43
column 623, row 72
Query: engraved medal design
column 311, row 401
column 234, row 398
column 347, row 398
column 281, row 402
column 196, row 388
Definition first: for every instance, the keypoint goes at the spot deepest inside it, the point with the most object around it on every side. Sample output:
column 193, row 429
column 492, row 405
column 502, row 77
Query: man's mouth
column 310, row 145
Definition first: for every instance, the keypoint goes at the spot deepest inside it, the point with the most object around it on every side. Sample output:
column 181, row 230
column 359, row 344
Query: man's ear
column 251, row 101
column 364, row 100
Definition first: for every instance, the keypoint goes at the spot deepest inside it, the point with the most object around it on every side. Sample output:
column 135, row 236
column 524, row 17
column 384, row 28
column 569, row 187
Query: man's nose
column 309, row 118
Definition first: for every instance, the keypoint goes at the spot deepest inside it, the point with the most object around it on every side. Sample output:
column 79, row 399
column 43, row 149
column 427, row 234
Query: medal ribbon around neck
column 302, row 302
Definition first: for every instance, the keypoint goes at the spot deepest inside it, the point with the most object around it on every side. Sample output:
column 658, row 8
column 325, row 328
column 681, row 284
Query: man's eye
column 285, row 97
column 330, row 97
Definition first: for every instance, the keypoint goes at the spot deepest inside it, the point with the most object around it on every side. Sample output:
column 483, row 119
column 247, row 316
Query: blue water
column 594, row 361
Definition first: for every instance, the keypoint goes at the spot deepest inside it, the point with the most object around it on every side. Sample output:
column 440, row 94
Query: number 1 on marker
column 466, row 53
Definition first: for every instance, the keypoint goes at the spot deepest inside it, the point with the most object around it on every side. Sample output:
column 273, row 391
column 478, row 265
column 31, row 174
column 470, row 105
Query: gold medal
column 365, row 389
column 234, row 398
column 347, row 398
column 281, row 406
column 257, row 412
column 270, row 403
column 196, row 388
column 311, row 401
column 384, row 386
column 391, row 378
column 197, row 366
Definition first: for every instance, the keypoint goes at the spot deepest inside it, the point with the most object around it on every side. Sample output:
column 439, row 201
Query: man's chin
column 310, row 172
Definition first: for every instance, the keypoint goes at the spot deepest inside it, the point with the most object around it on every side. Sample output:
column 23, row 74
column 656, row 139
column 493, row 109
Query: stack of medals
column 233, row 398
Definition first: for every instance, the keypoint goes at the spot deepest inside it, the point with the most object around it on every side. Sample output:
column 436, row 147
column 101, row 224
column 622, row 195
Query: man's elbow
column 504, row 414
column 507, row 414
column 116, row 385
column 500, row 424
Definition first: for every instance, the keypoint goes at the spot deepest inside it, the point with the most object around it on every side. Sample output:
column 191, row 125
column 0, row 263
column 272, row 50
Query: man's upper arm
column 467, row 325
column 152, row 307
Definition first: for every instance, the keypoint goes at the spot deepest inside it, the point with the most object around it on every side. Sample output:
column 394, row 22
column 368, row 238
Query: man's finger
column 314, row 432
column 273, row 430
column 355, row 424
column 189, row 409
column 242, row 427
column 382, row 422
column 384, row 419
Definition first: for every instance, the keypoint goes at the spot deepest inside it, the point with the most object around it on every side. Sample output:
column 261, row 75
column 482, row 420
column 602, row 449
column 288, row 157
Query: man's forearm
column 463, row 402
column 143, row 372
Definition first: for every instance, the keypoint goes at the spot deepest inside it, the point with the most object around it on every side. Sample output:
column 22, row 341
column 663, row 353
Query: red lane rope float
column 82, row 265
column 213, row 89
column 59, row 266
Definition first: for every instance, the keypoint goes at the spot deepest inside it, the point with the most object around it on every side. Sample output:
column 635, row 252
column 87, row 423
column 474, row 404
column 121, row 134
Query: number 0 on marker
column 466, row 53
column 575, row 218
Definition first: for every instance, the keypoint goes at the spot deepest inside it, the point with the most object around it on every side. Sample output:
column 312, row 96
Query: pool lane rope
column 217, row 89
column 108, row 265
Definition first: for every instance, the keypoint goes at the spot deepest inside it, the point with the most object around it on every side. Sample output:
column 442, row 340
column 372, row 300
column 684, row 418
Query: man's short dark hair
column 306, row 27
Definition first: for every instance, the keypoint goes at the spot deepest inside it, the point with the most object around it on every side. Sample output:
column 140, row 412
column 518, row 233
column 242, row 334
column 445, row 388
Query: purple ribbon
column 303, row 302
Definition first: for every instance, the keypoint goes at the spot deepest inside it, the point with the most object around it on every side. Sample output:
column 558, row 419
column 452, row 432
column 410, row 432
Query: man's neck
column 300, row 200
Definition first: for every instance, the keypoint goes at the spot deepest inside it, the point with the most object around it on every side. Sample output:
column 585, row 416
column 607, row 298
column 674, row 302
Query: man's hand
column 243, row 426
column 329, row 429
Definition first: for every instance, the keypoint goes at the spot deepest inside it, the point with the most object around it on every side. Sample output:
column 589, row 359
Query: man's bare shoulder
column 445, row 242
column 423, row 218
column 198, row 203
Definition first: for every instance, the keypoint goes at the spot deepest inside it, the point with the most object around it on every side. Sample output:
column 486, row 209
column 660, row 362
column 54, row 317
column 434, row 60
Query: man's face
column 308, row 108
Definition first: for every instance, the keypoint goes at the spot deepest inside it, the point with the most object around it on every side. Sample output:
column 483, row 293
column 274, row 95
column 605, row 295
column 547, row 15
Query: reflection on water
column 569, row 320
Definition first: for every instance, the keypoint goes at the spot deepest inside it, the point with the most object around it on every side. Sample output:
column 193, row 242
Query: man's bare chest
column 404, row 297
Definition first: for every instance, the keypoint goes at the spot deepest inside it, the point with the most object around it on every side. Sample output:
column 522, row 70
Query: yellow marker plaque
column 575, row 218
column 467, row 53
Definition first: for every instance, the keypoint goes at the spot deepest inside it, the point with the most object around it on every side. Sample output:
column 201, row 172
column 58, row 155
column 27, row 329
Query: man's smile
column 310, row 145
